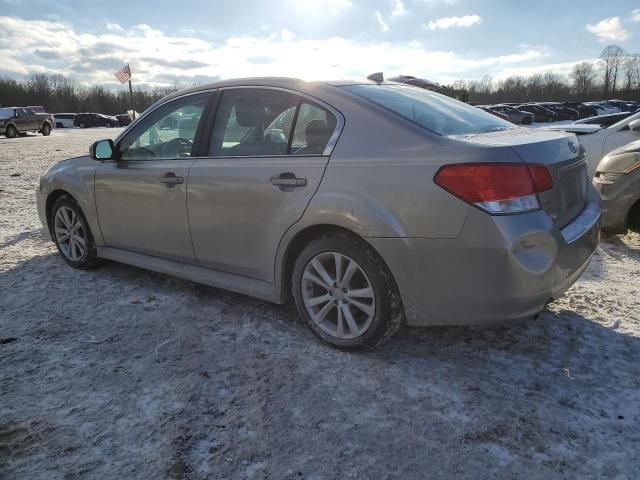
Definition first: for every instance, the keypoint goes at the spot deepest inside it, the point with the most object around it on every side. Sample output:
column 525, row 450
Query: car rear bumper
column 500, row 268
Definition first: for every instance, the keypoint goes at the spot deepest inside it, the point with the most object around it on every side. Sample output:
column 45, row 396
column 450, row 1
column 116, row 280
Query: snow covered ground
column 122, row 373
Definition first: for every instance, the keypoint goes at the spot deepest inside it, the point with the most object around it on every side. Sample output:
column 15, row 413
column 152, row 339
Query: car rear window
column 437, row 113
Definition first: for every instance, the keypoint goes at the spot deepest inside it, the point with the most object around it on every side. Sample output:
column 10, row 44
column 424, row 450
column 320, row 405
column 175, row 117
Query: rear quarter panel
column 379, row 180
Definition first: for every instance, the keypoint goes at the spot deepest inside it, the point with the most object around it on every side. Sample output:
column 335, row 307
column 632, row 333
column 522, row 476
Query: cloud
column 383, row 25
column 398, row 8
column 609, row 30
column 448, row 22
column 158, row 58
column 114, row 27
column 635, row 15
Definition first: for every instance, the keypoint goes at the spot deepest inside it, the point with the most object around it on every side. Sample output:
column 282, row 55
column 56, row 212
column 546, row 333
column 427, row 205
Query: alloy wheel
column 338, row 295
column 70, row 234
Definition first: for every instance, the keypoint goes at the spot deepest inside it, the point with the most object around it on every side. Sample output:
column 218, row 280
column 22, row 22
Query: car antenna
column 377, row 77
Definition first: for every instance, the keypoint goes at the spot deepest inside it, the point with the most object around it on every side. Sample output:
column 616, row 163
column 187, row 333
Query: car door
column 141, row 197
column 268, row 152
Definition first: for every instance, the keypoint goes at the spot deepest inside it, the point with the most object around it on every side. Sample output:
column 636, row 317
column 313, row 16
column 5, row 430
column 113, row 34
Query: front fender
column 76, row 178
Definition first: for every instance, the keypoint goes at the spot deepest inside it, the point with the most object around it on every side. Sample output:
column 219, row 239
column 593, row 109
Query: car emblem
column 573, row 146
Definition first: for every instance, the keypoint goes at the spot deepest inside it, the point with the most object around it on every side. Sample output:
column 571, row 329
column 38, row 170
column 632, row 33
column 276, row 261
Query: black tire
column 107, row 124
column 389, row 313
column 46, row 130
column 11, row 132
column 59, row 125
column 82, row 125
column 549, row 119
column 89, row 258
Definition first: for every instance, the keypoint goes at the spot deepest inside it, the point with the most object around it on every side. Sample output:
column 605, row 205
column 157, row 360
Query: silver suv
column 370, row 204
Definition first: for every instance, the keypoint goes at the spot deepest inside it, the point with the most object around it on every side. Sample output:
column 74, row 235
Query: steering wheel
column 176, row 146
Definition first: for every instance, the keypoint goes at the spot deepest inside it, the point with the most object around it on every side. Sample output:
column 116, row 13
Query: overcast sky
column 197, row 41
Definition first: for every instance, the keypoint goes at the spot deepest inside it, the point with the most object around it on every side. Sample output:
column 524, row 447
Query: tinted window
column 437, row 113
column 253, row 122
column 314, row 128
column 167, row 132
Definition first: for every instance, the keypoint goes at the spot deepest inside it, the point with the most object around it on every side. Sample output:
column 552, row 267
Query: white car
column 599, row 141
column 64, row 120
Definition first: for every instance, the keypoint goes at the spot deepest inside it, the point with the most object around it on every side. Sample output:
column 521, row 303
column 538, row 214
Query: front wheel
column 11, row 132
column 345, row 293
column 59, row 125
column 46, row 130
column 72, row 235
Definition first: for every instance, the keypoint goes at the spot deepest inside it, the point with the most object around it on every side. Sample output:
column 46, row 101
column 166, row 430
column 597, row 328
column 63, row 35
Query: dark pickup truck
column 15, row 121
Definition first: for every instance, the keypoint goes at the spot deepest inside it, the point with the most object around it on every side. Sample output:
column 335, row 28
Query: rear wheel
column 59, row 125
column 549, row 118
column 345, row 293
column 82, row 125
column 71, row 234
column 633, row 218
column 46, row 129
column 11, row 132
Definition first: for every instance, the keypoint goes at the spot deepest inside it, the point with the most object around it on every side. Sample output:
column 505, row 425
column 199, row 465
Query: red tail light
column 496, row 187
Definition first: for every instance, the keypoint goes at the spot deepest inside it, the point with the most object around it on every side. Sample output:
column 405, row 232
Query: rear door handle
column 288, row 181
column 170, row 179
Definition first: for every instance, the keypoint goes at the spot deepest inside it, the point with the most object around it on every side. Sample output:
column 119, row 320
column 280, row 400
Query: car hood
column 628, row 148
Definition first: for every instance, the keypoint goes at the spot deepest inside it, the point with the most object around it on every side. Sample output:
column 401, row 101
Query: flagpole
column 133, row 103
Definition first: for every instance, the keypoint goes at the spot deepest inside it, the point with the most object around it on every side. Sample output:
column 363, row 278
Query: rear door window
column 314, row 127
column 253, row 121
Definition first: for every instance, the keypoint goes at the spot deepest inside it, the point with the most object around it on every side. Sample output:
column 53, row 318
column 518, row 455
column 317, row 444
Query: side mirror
column 102, row 150
column 635, row 126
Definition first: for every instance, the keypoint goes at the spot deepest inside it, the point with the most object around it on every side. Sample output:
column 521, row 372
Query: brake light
column 496, row 188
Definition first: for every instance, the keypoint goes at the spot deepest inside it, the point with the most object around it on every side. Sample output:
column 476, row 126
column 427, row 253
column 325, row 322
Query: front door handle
column 288, row 181
column 170, row 179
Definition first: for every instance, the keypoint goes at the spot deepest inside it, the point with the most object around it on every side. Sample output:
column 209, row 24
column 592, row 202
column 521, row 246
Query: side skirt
column 213, row 278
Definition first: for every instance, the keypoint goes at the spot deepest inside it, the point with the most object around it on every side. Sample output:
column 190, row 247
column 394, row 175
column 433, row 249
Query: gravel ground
column 122, row 373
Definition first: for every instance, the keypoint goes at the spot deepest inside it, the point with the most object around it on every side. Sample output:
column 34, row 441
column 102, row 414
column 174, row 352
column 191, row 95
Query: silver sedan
column 371, row 204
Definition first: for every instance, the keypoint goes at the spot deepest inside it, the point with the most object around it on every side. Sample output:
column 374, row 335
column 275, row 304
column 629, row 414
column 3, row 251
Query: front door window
column 167, row 133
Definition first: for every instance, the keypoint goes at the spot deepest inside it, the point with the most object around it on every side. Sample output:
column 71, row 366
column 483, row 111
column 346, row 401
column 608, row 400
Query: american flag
column 123, row 74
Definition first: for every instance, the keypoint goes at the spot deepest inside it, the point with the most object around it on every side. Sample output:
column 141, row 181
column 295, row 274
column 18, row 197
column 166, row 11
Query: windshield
column 437, row 113
column 624, row 122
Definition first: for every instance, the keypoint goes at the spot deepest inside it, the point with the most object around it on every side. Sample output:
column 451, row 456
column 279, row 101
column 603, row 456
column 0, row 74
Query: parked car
column 493, row 112
column 86, row 120
column 564, row 113
column 599, row 141
column 64, row 120
column 601, row 108
column 540, row 113
column 617, row 179
column 585, row 111
column 16, row 121
column 624, row 106
column 448, row 216
column 123, row 119
column 515, row 116
column 604, row 120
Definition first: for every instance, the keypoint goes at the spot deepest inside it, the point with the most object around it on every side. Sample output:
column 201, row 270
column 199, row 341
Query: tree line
column 615, row 75
column 59, row 94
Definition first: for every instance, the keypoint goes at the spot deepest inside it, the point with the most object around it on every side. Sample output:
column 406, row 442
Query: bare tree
column 584, row 77
column 611, row 57
column 631, row 67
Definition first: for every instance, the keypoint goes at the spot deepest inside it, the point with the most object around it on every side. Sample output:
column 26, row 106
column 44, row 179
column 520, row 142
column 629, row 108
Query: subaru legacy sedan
column 370, row 204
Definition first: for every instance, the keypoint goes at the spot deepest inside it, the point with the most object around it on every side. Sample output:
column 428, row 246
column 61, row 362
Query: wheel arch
column 51, row 200
column 289, row 251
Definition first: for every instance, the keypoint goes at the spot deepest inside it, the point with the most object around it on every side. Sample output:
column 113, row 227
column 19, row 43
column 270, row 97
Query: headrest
column 250, row 112
column 317, row 133
column 187, row 127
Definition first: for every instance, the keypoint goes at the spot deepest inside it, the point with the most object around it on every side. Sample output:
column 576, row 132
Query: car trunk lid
column 561, row 153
